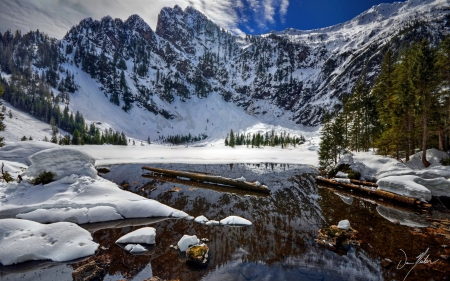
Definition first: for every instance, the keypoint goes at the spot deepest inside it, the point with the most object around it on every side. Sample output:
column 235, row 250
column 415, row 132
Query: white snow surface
column 405, row 185
column 344, row 224
column 186, row 241
column 201, row 219
column 62, row 162
column 235, row 220
column 145, row 235
column 23, row 240
column 434, row 156
column 80, row 198
column 212, row 222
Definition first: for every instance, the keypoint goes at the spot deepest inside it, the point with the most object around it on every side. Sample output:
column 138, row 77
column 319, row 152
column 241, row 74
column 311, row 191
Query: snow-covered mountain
column 192, row 76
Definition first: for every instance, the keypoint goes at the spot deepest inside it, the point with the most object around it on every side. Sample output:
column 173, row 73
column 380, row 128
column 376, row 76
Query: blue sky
column 310, row 14
column 55, row 17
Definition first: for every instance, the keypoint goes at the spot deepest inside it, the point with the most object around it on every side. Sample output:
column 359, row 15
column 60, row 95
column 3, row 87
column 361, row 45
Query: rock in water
column 344, row 224
column 198, row 255
column 186, row 241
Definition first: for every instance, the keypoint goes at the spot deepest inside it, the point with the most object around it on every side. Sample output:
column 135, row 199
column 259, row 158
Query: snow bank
column 186, row 241
column 23, row 240
column 437, row 186
column 21, row 151
column 235, row 220
column 61, row 162
column 434, row 156
column 80, row 198
column 76, row 215
column 405, row 185
column 144, row 235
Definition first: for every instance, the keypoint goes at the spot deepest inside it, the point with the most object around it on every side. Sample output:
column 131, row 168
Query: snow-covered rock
column 241, row 179
column 437, row 186
column 23, row 240
column 62, row 162
column 186, row 241
column 235, row 220
column 201, row 219
column 344, row 224
column 135, row 248
column 357, row 166
column 145, row 235
column 341, row 175
column 405, row 185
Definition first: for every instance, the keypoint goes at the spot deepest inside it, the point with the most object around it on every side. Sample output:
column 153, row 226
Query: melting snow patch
column 24, row 240
column 235, row 220
column 145, row 235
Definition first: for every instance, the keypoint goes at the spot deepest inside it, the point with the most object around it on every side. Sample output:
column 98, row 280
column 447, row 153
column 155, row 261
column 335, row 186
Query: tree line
column 263, row 139
column 407, row 109
column 181, row 139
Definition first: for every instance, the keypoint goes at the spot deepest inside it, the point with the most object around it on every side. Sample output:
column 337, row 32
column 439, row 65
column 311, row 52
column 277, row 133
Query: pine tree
column 232, row 142
column 76, row 137
column 425, row 83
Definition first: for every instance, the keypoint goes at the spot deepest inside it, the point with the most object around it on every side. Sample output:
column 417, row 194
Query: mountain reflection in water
column 278, row 246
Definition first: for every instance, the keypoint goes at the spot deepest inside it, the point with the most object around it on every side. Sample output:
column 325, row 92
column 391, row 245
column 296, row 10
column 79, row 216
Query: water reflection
column 279, row 246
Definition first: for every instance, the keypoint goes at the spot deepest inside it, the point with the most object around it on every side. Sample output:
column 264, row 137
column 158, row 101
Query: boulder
column 198, row 255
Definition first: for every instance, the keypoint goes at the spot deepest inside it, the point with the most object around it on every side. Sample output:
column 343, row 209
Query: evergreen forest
column 407, row 110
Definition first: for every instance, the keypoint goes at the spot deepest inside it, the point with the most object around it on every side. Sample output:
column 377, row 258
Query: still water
column 278, row 246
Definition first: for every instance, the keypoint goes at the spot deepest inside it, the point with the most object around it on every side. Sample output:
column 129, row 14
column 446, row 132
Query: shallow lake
column 279, row 245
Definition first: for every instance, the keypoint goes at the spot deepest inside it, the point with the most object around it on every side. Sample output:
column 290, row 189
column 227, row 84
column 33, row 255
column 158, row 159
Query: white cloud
column 55, row 17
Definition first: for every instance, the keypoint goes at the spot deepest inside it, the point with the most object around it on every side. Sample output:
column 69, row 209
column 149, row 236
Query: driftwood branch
column 211, row 179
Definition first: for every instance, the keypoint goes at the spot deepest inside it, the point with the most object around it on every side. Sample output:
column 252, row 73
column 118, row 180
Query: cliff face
column 293, row 75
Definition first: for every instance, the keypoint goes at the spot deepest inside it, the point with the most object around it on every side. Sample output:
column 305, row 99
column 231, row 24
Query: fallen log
column 197, row 184
column 366, row 183
column 376, row 192
column 211, row 179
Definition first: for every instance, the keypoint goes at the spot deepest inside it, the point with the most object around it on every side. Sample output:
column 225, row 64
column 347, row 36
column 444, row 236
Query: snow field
column 23, row 240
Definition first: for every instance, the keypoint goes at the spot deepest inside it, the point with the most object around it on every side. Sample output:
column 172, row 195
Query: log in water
column 245, row 185
column 376, row 192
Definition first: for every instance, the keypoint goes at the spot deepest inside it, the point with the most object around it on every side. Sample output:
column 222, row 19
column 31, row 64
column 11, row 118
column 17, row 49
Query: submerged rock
column 88, row 272
column 198, row 255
